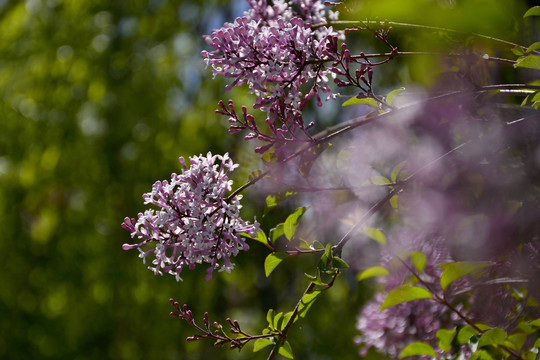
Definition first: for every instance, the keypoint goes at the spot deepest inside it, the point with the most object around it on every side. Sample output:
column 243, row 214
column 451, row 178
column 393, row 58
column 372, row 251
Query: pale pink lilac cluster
column 390, row 330
column 195, row 223
column 275, row 50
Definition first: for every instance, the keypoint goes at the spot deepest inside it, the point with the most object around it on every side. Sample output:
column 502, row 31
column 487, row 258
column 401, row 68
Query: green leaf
column 492, row 337
column 481, row 355
column 260, row 237
column 392, row 95
column 363, row 101
column 371, row 272
column 272, row 261
column 518, row 50
column 380, row 180
column 397, row 170
column 537, row 344
column 465, row 334
column 289, row 228
column 375, row 234
column 338, row 263
column 455, row 270
column 261, row 344
column 403, row 294
column 273, row 200
column 285, row 350
column 275, row 322
column 529, row 62
column 535, row 323
column 418, row 259
column 445, row 338
column 516, row 341
column 394, row 202
column 276, row 233
column 306, row 302
column 270, row 317
column 534, row 11
column 286, row 319
column 416, row 349
column 533, row 47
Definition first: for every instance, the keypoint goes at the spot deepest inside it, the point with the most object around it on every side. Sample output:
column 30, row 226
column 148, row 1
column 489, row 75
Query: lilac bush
column 444, row 180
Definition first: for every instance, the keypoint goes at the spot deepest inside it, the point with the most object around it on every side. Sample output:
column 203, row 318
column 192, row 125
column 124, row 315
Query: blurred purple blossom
column 195, row 222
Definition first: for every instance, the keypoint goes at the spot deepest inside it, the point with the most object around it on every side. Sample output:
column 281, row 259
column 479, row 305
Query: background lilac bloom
column 275, row 49
column 196, row 223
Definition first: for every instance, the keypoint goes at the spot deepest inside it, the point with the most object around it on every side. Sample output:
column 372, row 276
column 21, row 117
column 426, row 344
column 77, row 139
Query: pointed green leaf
column 275, row 322
column 371, row 272
column 260, row 237
column 397, row 170
column 455, row 270
column 273, row 200
column 375, row 234
column 394, row 202
column 492, row 337
column 261, row 344
column 445, row 338
column 403, row 294
column 533, row 47
column 416, row 349
column 534, row 11
column 286, row 319
column 285, row 350
column 535, row 323
column 518, row 50
column 338, row 263
column 465, row 334
column 537, row 344
column 291, row 223
column 392, row 95
column 306, row 302
column 363, row 101
column 516, row 341
column 529, row 62
column 380, row 180
column 276, row 233
column 418, row 259
column 270, row 317
column 481, row 355
column 272, row 261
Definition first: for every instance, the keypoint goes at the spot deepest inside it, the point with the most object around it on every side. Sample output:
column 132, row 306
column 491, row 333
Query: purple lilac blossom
column 390, row 330
column 275, row 49
column 195, row 222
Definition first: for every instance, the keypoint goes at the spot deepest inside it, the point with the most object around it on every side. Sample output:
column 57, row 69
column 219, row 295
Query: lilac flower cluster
column 195, row 222
column 390, row 330
column 275, row 49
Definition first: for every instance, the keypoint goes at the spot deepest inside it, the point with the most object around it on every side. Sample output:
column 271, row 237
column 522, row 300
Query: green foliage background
column 98, row 99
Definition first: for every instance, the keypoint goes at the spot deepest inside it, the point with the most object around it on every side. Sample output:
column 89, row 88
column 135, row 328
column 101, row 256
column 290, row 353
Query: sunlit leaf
column 465, row 334
column 371, row 272
column 338, row 263
column 535, row 323
column 418, row 260
column 481, row 355
column 375, row 234
column 492, row 337
column 394, row 202
column 403, row 294
column 260, row 237
column 277, row 232
column 455, row 270
column 273, row 200
column 397, row 170
column 261, row 344
column 272, row 261
column 270, row 316
column 306, row 302
column 533, row 47
column 291, row 223
column 529, row 61
column 285, row 350
column 380, row 180
column 286, row 319
column 363, row 101
column 534, row 11
column 445, row 338
column 392, row 95
column 516, row 341
column 416, row 349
